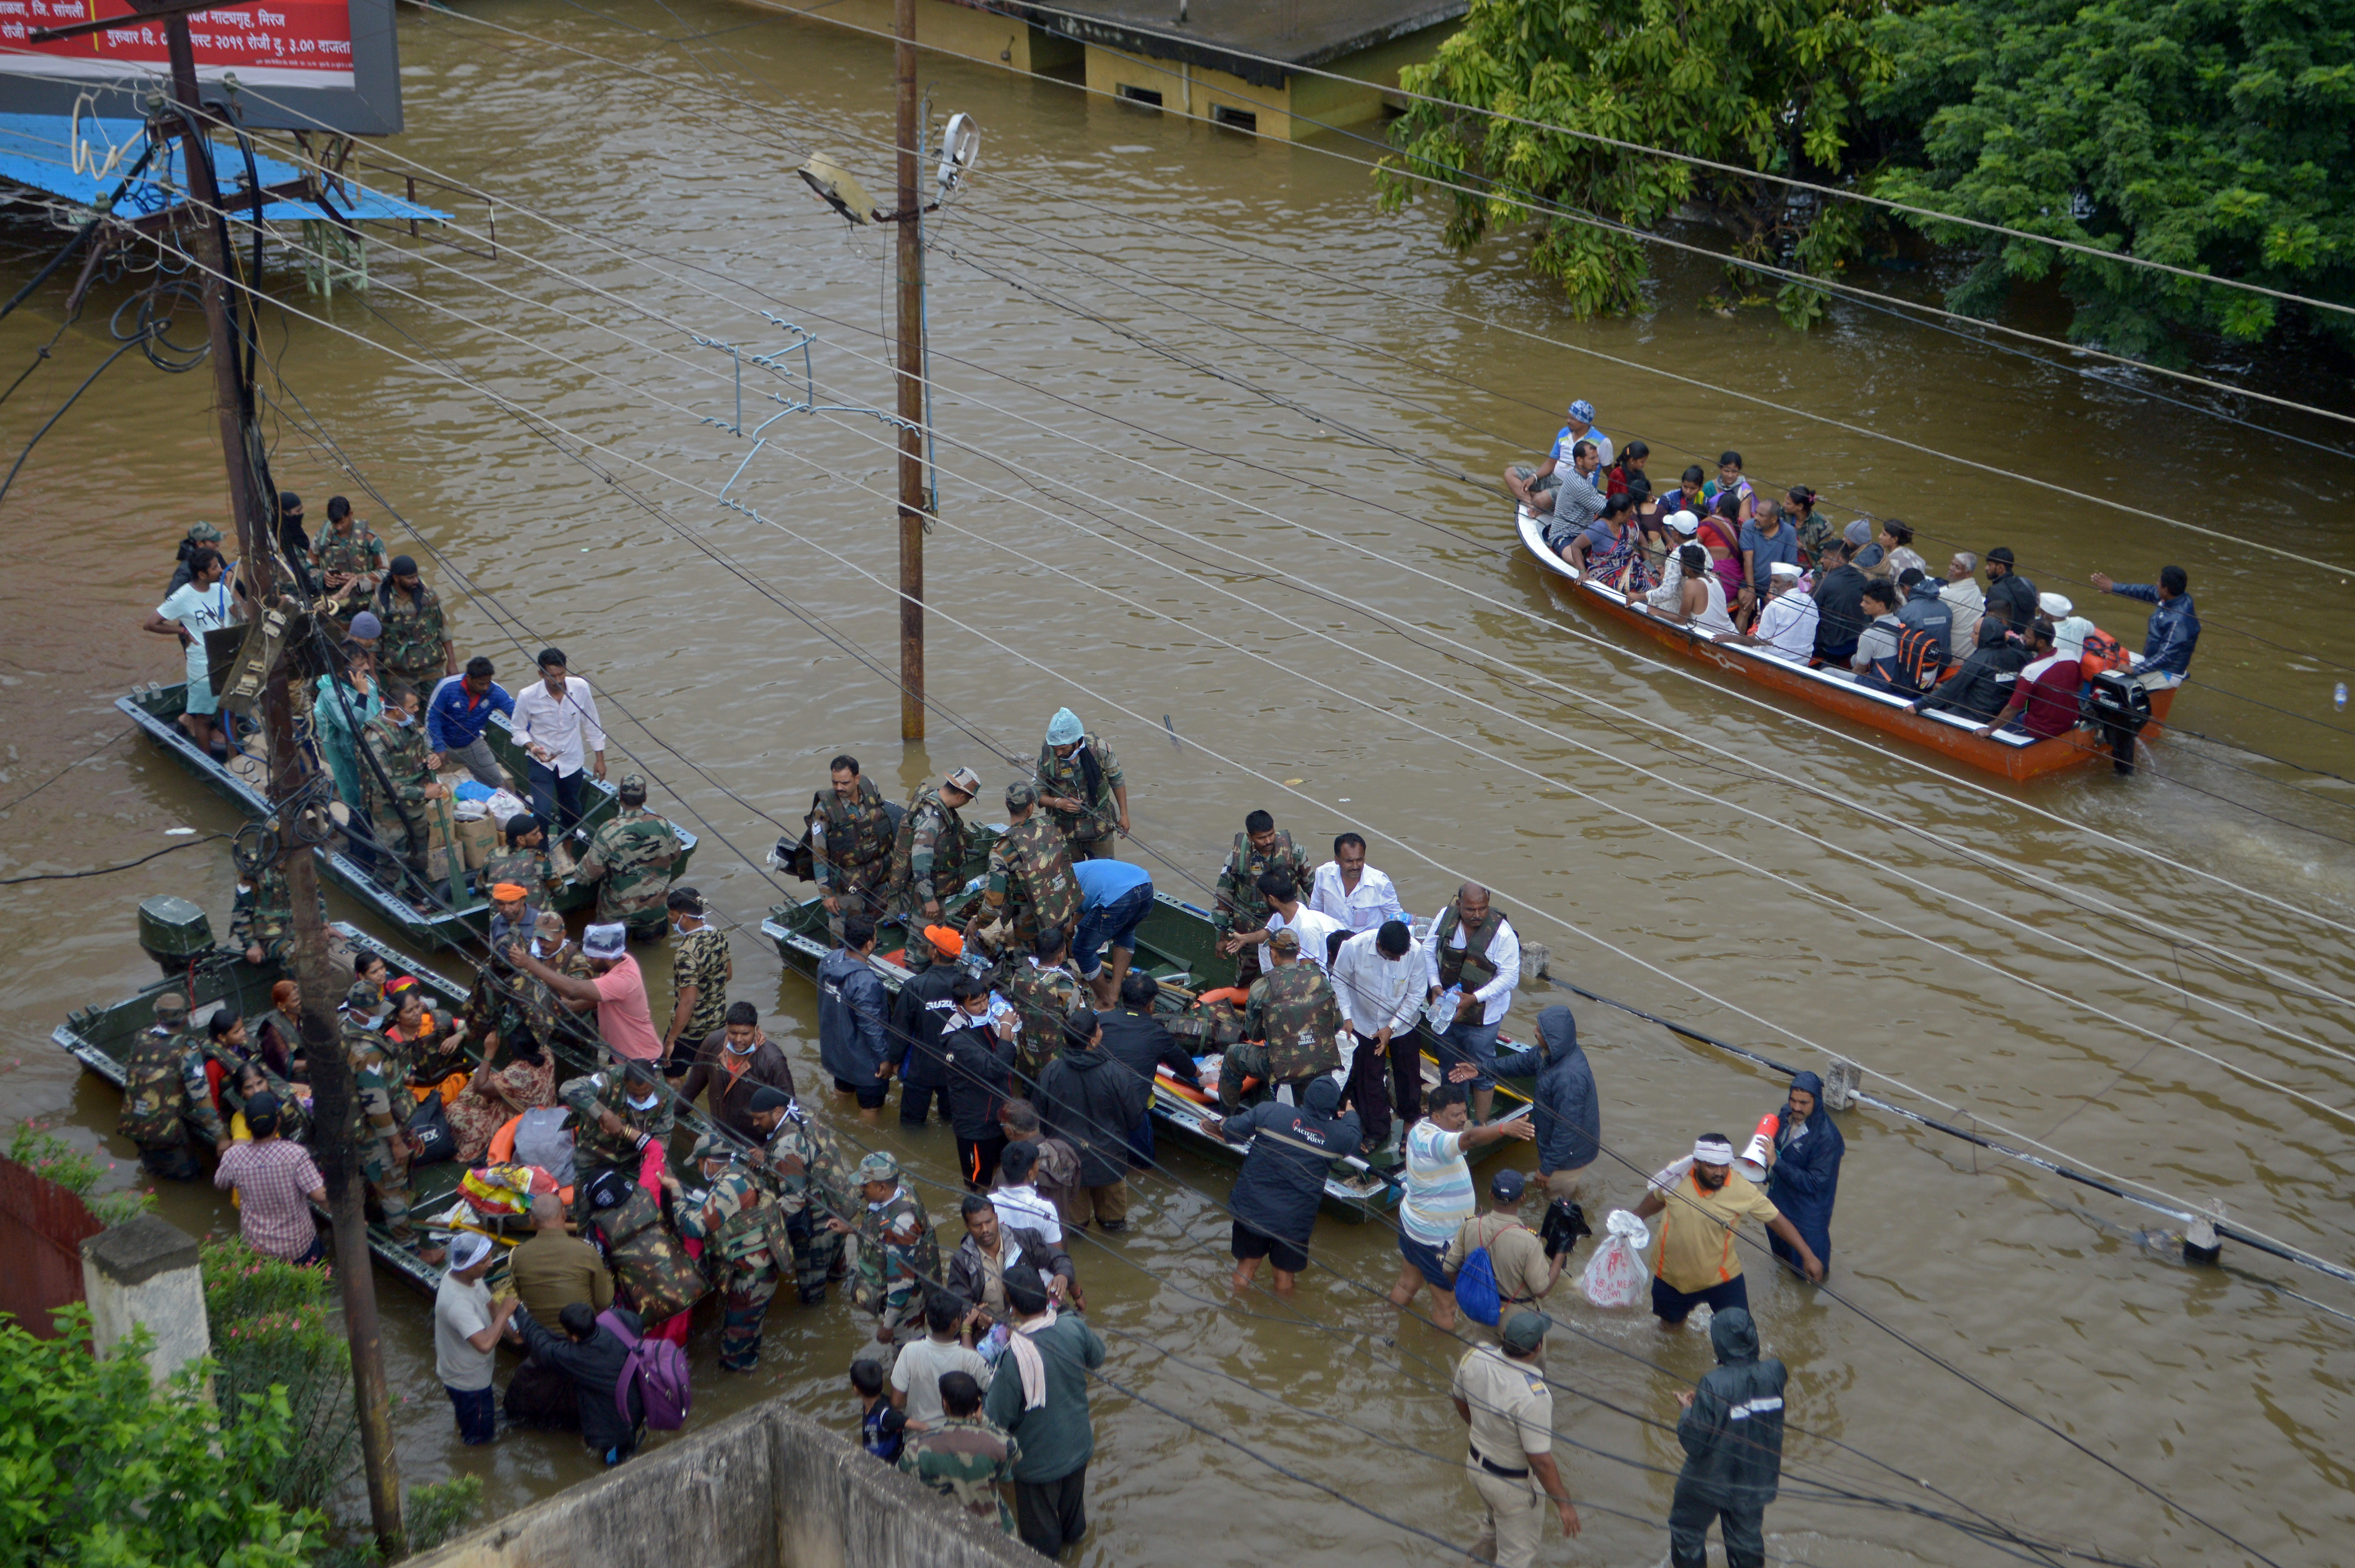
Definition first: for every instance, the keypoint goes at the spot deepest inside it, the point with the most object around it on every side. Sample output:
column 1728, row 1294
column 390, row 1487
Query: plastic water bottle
column 2338, row 698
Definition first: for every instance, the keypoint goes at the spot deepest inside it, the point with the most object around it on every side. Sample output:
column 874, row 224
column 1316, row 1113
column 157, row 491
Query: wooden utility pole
column 912, row 500
column 323, row 1049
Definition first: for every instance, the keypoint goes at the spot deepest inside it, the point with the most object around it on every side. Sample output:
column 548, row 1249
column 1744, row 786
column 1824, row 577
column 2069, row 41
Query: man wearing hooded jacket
column 1731, row 1430
column 1805, row 1180
column 1569, row 1116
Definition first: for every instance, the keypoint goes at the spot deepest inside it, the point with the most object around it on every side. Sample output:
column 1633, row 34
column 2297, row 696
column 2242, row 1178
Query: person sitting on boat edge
column 2174, row 631
column 1578, row 427
column 2045, row 698
column 1785, row 623
column 1701, row 596
column 1611, row 548
column 1876, row 662
column 1594, row 534
column 1981, row 688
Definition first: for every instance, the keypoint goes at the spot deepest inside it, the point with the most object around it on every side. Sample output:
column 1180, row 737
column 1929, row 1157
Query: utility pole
column 323, row 1049
column 912, row 500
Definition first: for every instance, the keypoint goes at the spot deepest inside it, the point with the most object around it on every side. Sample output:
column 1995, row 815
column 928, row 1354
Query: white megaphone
column 1753, row 1163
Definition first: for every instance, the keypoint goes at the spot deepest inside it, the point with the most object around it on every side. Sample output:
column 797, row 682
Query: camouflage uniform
column 543, row 1012
column 630, row 860
column 850, row 851
column 1090, row 834
column 899, row 1261
column 527, row 869
column 1294, row 1019
column 928, row 854
column 1030, row 880
column 293, row 1124
column 381, row 1104
column 745, row 1246
column 1239, row 906
column 700, row 958
column 968, row 1461
column 652, row 1274
column 595, row 1149
column 412, row 649
column 264, row 916
column 400, row 817
column 1044, row 998
column 164, row 1097
column 812, row 1185
column 358, row 552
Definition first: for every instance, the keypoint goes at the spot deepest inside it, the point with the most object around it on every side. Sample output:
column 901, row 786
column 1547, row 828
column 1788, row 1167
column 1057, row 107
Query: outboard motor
column 175, row 933
column 2121, row 707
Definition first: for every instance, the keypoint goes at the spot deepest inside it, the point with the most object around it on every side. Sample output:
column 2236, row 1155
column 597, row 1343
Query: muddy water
column 1280, row 594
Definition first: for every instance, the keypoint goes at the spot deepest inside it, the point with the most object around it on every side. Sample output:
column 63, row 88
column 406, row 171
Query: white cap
column 1712, row 1151
column 2068, row 637
column 605, row 941
column 468, row 1249
column 2055, row 606
column 1684, row 522
column 1785, row 568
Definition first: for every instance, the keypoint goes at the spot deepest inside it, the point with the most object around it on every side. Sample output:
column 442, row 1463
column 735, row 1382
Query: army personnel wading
column 850, row 840
column 166, row 1097
column 630, row 860
column 616, row 1113
column 898, row 1259
column 1030, row 882
column 397, row 773
column 928, row 853
column 746, row 1246
column 1261, row 848
column 1291, row 1026
column 1080, row 783
column 811, row 1184
column 1044, row 990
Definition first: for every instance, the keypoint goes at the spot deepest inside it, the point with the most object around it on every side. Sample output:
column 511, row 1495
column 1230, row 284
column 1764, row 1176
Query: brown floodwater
column 1204, row 408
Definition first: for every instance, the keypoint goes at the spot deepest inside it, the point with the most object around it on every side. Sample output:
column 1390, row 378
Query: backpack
column 656, row 1372
column 1917, row 663
column 1475, row 1289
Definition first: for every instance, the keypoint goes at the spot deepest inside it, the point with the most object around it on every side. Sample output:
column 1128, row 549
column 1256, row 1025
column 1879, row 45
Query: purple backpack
column 657, row 1368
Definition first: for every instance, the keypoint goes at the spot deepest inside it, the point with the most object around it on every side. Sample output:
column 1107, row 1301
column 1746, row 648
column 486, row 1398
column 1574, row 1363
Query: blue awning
column 82, row 160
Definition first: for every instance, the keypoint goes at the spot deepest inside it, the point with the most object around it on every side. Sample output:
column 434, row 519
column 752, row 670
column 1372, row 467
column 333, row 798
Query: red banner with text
column 285, row 43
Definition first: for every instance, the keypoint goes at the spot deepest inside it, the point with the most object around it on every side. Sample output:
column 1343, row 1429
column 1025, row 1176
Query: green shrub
column 275, row 1333
column 47, row 1155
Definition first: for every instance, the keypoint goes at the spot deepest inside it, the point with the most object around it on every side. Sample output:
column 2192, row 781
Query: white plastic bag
column 1614, row 1274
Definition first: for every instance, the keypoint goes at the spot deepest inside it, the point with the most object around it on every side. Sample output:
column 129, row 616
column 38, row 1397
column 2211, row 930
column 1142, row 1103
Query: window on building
column 1144, row 95
column 1235, row 119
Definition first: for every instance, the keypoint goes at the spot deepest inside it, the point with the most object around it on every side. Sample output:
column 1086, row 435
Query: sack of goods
column 1614, row 1274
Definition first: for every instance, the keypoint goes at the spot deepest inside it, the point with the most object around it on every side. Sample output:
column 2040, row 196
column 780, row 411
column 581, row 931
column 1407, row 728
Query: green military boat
column 156, row 709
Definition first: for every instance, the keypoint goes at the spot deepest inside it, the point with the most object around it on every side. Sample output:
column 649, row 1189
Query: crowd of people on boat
column 1858, row 601
column 1015, row 1009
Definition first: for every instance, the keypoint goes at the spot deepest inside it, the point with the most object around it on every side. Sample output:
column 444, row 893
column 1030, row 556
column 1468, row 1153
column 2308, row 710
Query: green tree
column 100, row 1468
column 2210, row 134
column 1767, row 85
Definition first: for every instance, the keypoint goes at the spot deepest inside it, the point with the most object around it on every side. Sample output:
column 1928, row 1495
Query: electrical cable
column 109, row 870
column 108, row 739
column 72, row 398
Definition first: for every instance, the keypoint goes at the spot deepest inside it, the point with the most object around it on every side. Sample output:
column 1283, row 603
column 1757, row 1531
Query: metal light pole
column 323, row 1050
column 912, row 500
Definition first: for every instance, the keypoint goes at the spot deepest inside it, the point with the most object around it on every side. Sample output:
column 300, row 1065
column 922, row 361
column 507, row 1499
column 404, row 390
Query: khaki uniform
column 1523, row 1272
column 1512, row 1418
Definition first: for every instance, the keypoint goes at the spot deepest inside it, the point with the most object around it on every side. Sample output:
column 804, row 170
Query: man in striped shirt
column 276, row 1184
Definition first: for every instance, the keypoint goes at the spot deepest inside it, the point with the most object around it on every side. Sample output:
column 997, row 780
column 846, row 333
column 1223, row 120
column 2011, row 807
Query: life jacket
column 1472, row 954
column 1212, row 1021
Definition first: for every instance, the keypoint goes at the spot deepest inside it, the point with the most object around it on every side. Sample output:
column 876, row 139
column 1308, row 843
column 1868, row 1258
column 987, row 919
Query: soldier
column 262, row 923
column 1240, row 908
column 1292, row 1025
column 1030, row 882
column 700, row 968
column 542, row 1011
column 745, row 1245
column 1080, row 781
column 524, row 861
column 1043, row 989
column 165, row 1095
column 630, row 860
column 811, row 1185
column 898, row 1259
column 616, row 1113
column 963, row 1456
column 929, row 850
column 397, row 773
column 351, row 561
column 381, row 1104
column 850, row 837
column 415, row 646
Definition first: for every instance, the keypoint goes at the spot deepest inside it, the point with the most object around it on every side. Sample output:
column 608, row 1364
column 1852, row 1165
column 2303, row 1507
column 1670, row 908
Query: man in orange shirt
column 1703, row 1203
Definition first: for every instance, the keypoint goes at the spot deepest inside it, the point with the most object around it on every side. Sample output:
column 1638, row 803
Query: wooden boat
column 155, row 710
column 1177, row 946
column 2014, row 756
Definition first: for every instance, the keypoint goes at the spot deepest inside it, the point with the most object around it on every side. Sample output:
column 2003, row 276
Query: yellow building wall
column 959, row 29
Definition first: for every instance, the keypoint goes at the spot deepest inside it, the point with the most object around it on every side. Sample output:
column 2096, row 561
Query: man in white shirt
column 1286, row 912
column 1379, row 981
column 1351, row 891
column 1963, row 597
column 556, row 722
column 201, row 605
column 1786, row 622
column 1473, row 952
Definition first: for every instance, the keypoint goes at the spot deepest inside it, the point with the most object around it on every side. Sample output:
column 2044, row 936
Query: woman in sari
column 496, row 1094
column 1720, row 536
column 1616, row 561
column 429, row 1046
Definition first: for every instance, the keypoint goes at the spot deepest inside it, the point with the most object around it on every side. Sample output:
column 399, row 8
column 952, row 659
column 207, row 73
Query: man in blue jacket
column 458, row 713
column 852, row 1041
column 1805, row 1176
column 2174, row 630
column 1568, row 1113
column 1731, row 1430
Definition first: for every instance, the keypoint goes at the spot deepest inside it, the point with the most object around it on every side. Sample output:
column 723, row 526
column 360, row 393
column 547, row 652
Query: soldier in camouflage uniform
column 524, row 861
column 700, row 968
column 963, row 1457
column 746, row 1245
column 803, row 1167
column 261, row 926
column 850, row 837
column 928, row 852
column 630, row 860
column 898, row 1260
column 351, row 561
column 1291, row 1026
column 395, row 755
column 1030, row 882
column 415, row 647
column 616, row 1113
column 1261, row 848
column 1080, row 781
column 381, row 1105
column 534, row 1006
column 1044, row 989
column 165, row 1095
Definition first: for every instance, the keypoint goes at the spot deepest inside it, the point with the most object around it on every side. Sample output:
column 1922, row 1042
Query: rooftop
column 1219, row 33
column 84, row 160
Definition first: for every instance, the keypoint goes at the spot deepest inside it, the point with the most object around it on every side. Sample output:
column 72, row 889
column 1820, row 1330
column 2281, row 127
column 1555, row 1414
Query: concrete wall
column 763, row 1490
column 144, row 1274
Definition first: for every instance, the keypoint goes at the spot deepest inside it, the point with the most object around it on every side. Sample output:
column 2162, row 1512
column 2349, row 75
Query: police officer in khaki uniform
column 1503, row 1397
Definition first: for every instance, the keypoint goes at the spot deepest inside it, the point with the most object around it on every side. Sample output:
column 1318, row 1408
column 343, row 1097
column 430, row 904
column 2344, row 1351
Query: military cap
column 631, row 784
column 1525, row 1331
column 1019, row 793
column 1284, row 941
column 963, row 779
column 878, row 1166
column 171, row 1005
column 204, row 533
column 710, row 1145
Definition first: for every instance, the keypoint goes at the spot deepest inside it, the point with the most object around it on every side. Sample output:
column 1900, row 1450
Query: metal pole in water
column 912, row 498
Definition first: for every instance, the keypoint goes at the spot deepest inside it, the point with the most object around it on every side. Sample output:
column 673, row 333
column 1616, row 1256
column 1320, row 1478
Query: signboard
column 329, row 64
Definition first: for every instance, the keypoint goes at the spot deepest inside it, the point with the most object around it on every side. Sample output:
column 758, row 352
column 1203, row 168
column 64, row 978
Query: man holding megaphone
column 1804, row 1179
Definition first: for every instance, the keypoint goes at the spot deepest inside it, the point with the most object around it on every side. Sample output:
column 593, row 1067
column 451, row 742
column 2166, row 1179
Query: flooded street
column 1204, row 416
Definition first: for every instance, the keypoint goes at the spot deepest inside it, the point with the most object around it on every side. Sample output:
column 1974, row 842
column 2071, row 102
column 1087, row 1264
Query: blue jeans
column 552, row 793
column 1473, row 1042
column 477, row 1408
column 1140, row 1139
column 1114, row 922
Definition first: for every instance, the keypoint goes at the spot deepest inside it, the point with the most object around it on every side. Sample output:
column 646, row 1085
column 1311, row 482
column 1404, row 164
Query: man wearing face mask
column 615, row 1115
column 397, row 777
column 1704, row 1203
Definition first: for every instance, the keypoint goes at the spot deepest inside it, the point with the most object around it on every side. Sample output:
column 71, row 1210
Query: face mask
column 647, row 1103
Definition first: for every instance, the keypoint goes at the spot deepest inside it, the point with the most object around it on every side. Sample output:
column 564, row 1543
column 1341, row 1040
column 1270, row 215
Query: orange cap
column 508, row 892
column 945, row 938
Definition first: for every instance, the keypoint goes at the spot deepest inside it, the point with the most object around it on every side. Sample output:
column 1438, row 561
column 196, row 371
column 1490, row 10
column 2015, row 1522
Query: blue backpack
column 1475, row 1289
